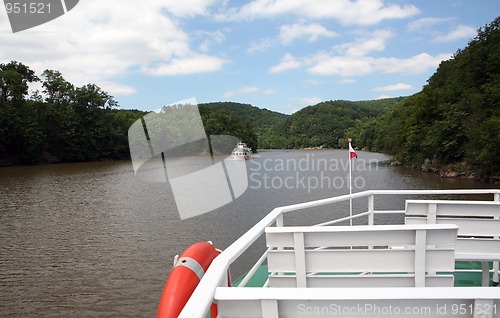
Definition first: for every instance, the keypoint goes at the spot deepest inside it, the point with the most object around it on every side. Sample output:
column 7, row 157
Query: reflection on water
column 90, row 240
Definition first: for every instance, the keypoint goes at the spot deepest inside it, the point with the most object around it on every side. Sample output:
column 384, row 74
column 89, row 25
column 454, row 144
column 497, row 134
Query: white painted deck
column 366, row 256
column 302, row 252
column 478, row 223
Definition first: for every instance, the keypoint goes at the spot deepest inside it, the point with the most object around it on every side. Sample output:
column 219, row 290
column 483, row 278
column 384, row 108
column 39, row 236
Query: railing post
column 371, row 209
column 496, row 265
column 496, row 268
column 279, row 220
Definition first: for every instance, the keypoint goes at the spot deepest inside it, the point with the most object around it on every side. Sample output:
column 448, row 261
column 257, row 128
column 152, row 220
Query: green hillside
column 218, row 121
column 324, row 124
column 260, row 118
column 454, row 120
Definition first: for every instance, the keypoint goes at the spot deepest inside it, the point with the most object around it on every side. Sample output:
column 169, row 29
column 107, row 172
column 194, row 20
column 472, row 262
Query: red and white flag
column 352, row 153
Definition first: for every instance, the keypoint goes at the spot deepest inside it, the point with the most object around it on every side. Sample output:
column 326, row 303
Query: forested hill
column 69, row 124
column 324, row 124
column 454, row 120
column 321, row 125
column 218, row 121
column 260, row 118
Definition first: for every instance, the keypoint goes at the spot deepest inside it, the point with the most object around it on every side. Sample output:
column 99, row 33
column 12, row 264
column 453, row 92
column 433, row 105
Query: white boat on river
column 241, row 152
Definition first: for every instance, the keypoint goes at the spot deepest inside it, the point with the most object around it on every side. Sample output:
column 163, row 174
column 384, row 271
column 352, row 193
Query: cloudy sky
column 277, row 54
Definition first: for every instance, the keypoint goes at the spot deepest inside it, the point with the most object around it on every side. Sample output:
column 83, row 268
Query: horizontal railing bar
column 389, row 212
column 254, row 269
column 470, row 271
column 459, row 191
column 361, row 293
column 347, row 218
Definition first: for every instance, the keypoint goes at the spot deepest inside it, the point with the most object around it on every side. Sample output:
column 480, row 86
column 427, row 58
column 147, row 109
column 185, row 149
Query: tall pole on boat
column 350, row 181
column 352, row 154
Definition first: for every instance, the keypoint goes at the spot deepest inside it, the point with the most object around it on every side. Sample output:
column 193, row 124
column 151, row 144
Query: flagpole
column 350, row 182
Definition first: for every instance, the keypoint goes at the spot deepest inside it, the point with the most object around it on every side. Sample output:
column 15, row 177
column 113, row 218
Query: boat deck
column 442, row 261
column 471, row 277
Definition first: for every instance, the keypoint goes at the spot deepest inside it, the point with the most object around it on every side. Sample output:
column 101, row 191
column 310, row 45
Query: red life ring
column 188, row 270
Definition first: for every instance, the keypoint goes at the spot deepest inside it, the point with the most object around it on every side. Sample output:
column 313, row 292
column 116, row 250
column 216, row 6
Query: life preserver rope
column 188, row 270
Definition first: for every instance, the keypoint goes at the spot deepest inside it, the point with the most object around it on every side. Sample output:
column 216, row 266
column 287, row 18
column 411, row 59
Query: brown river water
column 92, row 240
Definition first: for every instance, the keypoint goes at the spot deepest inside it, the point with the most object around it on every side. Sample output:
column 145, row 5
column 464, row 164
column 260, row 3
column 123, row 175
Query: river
column 92, row 240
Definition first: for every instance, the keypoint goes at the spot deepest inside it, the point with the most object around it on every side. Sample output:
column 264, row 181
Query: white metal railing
column 199, row 303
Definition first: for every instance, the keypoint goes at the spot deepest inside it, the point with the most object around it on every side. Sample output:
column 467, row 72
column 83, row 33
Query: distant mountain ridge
column 320, row 125
column 260, row 118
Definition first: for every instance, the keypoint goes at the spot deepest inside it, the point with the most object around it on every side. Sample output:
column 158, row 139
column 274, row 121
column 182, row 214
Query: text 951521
column 28, row 7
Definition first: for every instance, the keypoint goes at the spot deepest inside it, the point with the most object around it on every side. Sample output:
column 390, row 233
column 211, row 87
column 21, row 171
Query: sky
column 282, row 55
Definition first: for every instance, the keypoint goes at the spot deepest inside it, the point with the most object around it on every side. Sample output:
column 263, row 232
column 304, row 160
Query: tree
column 14, row 79
column 91, row 96
column 222, row 122
column 57, row 89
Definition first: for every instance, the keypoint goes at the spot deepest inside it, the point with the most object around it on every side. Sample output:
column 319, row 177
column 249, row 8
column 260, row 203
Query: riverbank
column 50, row 161
column 454, row 170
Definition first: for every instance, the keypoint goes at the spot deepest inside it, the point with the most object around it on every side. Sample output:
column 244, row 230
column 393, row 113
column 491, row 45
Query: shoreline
column 453, row 170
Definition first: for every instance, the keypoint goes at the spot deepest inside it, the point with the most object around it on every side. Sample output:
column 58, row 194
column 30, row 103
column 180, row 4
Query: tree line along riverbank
column 451, row 127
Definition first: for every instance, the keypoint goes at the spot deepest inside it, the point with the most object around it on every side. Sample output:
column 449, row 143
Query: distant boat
column 242, row 152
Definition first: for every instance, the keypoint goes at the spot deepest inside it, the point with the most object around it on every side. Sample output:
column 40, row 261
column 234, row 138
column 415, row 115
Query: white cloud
column 305, row 101
column 187, row 8
column 261, row 46
column 311, row 32
column 241, row 90
column 117, row 89
column 194, row 64
column 352, row 59
column 326, row 64
column 208, row 39
column 424, row 24
column 249, row 90
column 99, row 40
column 288, row 33
column 270, row 91
column 460, row 32
column 394, row 87
column 362, row 12
column 416, row 64
column 372, row 42
column 288, row 62
column 384, row 97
